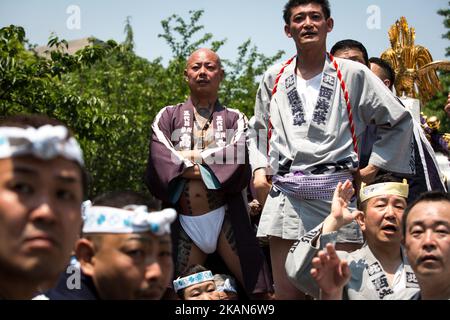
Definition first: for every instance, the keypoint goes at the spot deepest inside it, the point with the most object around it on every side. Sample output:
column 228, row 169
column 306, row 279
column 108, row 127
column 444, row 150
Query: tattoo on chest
column 204, row 113
column 215, row 199
column 186, row 206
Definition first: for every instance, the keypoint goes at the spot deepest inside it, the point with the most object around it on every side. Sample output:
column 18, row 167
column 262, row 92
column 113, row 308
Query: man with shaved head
column 198, row 163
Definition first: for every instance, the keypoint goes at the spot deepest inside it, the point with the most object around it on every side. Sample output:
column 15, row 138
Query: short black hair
column 193, row 269
column 120, row 199
column 389, row 73
column 430, row 196
column 351, row 44
column 382, row 178
column 37, row 121
column 295, row 3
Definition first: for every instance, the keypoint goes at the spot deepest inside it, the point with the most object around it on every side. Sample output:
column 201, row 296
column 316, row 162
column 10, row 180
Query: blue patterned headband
column 192, row 279
column 130, row 219
column 46, row 142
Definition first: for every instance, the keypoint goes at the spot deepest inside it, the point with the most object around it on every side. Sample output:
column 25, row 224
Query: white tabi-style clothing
column 324, row 144
column 204, row 230
column 368, row 279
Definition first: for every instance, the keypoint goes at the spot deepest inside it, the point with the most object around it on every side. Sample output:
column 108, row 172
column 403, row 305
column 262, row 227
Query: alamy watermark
column 374, row 20
column 73, row 22
column 73, row 281
column 229, row 147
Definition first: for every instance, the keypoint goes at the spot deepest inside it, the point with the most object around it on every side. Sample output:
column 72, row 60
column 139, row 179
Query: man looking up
column 380, row 268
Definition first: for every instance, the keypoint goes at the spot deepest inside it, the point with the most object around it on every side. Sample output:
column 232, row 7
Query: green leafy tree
column 33, row 84
column 436, row 106
column 239, row 87
column 109, row 96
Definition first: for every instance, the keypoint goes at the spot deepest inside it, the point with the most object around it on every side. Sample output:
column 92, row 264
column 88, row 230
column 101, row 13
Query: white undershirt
column 399, row 281
column 308, row 91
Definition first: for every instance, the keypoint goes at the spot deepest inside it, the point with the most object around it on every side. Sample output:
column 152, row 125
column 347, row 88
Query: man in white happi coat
column 379, row 269
column 310, row 114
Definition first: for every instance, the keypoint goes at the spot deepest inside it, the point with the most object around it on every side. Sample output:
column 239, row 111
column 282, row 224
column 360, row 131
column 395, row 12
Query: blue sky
column 236, row 20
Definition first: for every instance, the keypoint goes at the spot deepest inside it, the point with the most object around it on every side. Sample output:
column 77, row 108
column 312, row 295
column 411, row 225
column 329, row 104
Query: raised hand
column 330, row 273
column 340, row 214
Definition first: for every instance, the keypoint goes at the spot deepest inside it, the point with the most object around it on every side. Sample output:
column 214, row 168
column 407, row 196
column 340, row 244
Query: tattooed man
column 199, row 164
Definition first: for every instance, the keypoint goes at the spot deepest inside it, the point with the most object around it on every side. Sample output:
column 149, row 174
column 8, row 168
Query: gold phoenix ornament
column 414, row 68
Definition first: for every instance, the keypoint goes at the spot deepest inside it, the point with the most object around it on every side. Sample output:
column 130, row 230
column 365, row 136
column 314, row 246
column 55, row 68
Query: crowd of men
column 331, row 191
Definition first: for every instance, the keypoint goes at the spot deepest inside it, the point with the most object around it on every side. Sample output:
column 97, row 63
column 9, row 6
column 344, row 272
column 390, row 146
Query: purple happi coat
column 226, row 159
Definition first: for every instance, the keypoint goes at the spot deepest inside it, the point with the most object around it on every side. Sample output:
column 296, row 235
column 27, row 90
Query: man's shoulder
column 232, row 115
column 275, row 68
column 233, row 111
column 273, row 71
column 360, row 254
column 172, row 108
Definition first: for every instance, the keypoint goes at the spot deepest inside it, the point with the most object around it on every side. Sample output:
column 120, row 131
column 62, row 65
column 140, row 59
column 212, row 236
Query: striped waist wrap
column 310, row 187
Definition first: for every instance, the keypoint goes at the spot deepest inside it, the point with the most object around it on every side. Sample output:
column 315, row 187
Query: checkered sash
column 310, row 187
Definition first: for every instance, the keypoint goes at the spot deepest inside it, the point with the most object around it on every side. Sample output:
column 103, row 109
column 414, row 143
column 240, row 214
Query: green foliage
column 436, row 106
column 179, row 35
column 109, row 96
column 446, row 14
column 239, row 87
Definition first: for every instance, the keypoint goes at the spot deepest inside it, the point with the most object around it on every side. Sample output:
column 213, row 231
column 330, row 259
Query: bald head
column 204, row 52
column 204, row 74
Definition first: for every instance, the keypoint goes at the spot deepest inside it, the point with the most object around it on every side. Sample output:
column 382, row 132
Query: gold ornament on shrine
column 414, row 68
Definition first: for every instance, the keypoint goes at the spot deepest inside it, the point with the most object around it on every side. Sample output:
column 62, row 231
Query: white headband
column 192, row 279
column 45, row 142
column 130, row 219
column 379, row 189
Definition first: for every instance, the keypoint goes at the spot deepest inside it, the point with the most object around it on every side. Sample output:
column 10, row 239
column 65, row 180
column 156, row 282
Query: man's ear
column 85, row 252
column 185, row 75
column 287, row 30
column 360, row 219
column 330, row 24
column 387, row 82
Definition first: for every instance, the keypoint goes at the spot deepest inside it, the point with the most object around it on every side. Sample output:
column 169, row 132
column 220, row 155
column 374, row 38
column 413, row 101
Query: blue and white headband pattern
column 130, row 219
column 46, row 142
column 192, row 279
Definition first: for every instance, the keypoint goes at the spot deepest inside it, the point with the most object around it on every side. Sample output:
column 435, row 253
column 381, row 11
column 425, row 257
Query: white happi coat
column 368, row 279
column 324, row 144
column 326, row 140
